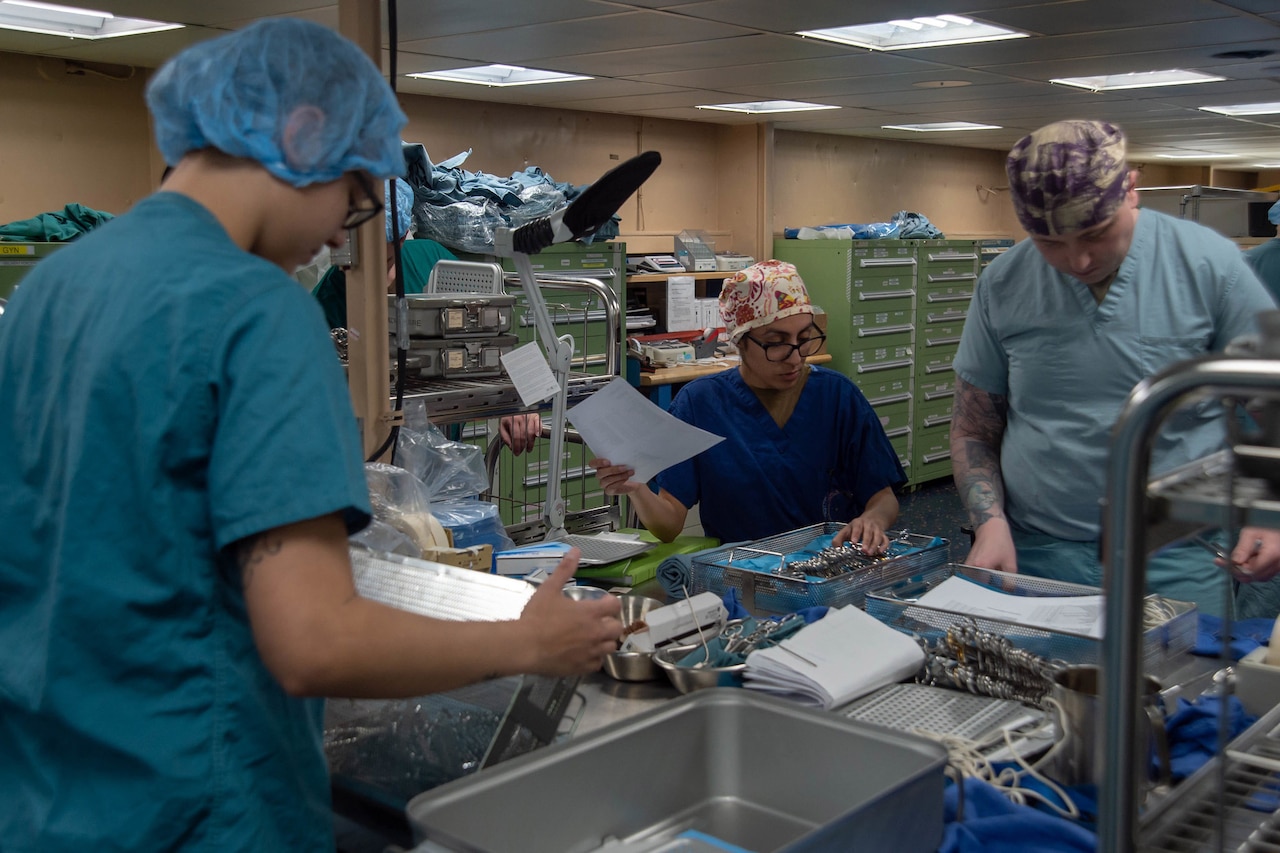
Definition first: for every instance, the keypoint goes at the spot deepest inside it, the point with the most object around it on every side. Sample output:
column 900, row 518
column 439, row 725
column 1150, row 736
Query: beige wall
column 821, row 178
column 71, row 138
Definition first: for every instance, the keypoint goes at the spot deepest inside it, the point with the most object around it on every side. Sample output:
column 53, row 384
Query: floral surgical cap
column 404, row 207
column 760, row 294
column 293, row 95
column 1068, row 176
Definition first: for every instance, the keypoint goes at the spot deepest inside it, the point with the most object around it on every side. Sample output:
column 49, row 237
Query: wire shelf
column 1231, row 803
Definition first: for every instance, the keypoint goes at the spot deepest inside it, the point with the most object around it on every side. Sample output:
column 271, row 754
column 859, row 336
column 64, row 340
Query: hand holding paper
column 621, row 424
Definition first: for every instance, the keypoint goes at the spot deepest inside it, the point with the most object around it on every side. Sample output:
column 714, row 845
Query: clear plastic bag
column 401, row 501
column 449, row 469
column 380, row 536
column 463, row 225
column 473, row 522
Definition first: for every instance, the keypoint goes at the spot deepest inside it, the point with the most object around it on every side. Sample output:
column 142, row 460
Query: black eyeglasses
column 360, row 214
column 782, row 352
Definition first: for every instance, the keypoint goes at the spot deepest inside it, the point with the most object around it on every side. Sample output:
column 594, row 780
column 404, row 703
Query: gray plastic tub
column 754, row 771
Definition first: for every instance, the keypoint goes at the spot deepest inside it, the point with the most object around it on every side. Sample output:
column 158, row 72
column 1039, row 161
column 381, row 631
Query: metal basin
column 751, row 770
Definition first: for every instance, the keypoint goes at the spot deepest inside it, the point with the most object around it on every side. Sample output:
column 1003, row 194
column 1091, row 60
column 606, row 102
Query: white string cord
column 967, row 758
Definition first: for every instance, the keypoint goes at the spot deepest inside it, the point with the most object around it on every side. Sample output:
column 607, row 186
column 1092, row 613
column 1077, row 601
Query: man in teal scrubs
column 1265, row 258
column 1061, row 328
column 180, row 469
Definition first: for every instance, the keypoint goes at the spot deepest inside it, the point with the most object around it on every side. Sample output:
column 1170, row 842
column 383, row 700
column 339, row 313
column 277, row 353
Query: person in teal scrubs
column 1265, row 257
column 1061, row 328
column 180, row 469
column 417, row 255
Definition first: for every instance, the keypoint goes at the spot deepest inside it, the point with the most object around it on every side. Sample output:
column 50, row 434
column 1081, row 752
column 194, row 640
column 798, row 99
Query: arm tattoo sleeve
column 252, row 550
column 978, row 421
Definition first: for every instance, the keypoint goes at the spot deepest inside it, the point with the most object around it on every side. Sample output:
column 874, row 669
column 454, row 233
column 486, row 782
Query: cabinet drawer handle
column 968, row 276
column 937, row 420
column 952, row 297
column 952, row 256
column 884, row 365
column 864, row 332
column 945, row 316
column 888, row 401
column 900, row 431
column 937, row 342
column 938, row 368
column 930, row 458
column 886, row 262
column 938, row 395
column 884, row 294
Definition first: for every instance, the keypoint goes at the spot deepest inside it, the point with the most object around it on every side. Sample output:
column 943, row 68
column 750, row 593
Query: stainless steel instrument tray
column 751, row 770
column 456, row 315
column 449, row 358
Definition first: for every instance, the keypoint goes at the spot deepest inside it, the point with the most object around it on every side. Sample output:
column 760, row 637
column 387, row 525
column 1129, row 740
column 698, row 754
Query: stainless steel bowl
column 633, row 666
column 636, row 607
column 584, row 593
column 688, row 679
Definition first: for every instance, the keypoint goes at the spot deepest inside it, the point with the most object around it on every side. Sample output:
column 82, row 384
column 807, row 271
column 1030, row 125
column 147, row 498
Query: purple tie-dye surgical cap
column 1068, row 176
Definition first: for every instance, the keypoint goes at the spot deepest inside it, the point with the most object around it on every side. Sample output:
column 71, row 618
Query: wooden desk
column 657, row 383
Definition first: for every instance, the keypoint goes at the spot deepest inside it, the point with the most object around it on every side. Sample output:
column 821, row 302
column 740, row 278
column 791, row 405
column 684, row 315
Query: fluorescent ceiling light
column 498, row 75
column 1205, row 155
column 1266, row 165
column 48, row 19
column 932, row 31
column 1245, row 109
column 940, row 126
column 1137, row 80
column 757, row 107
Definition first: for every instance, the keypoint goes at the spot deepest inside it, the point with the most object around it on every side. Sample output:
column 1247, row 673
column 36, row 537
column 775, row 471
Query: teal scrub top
column 1265, row 260
column 163, row 394
column 418, row 257
column 1067, row 363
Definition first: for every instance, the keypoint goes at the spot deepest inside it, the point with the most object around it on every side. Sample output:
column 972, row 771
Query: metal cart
column 1212, row 492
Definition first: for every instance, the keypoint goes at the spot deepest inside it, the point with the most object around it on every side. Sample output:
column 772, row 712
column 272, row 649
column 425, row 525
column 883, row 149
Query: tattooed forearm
column 251, row 551
column 978, row 423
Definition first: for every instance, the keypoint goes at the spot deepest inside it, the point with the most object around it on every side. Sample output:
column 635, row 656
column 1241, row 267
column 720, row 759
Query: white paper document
column 529, row 372
column 620, row 424
column 828, row 663
column 1071, row 614
column 682, row 309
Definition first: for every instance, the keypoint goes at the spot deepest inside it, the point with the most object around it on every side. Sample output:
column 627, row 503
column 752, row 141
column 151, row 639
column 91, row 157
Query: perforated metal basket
column 737, row 567
column 465, row 277
column 1168, row 637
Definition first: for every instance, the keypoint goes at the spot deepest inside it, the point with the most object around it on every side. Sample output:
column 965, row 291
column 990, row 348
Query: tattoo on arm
column 252, row 550
column 979, row 420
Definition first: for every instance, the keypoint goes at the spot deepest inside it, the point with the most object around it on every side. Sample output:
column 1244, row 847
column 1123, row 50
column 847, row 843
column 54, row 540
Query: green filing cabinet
column 18, row 259
column 522, row 480
column 867, row 288
column 948, row 274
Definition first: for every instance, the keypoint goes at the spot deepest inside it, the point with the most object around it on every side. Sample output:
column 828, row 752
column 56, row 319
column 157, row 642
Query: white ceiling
column 662, row 58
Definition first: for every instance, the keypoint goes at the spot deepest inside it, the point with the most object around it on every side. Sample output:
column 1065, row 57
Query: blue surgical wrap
column 404, row 208
column 293, row 95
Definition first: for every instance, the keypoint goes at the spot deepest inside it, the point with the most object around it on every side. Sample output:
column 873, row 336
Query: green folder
column 644, row 567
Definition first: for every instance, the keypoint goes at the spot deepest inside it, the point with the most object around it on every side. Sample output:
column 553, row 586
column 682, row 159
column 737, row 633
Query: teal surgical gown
column 163, row 394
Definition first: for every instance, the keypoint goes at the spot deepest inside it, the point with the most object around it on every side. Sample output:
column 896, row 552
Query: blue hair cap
column 404, row 207
column 293, row 95
column 1273, row 214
